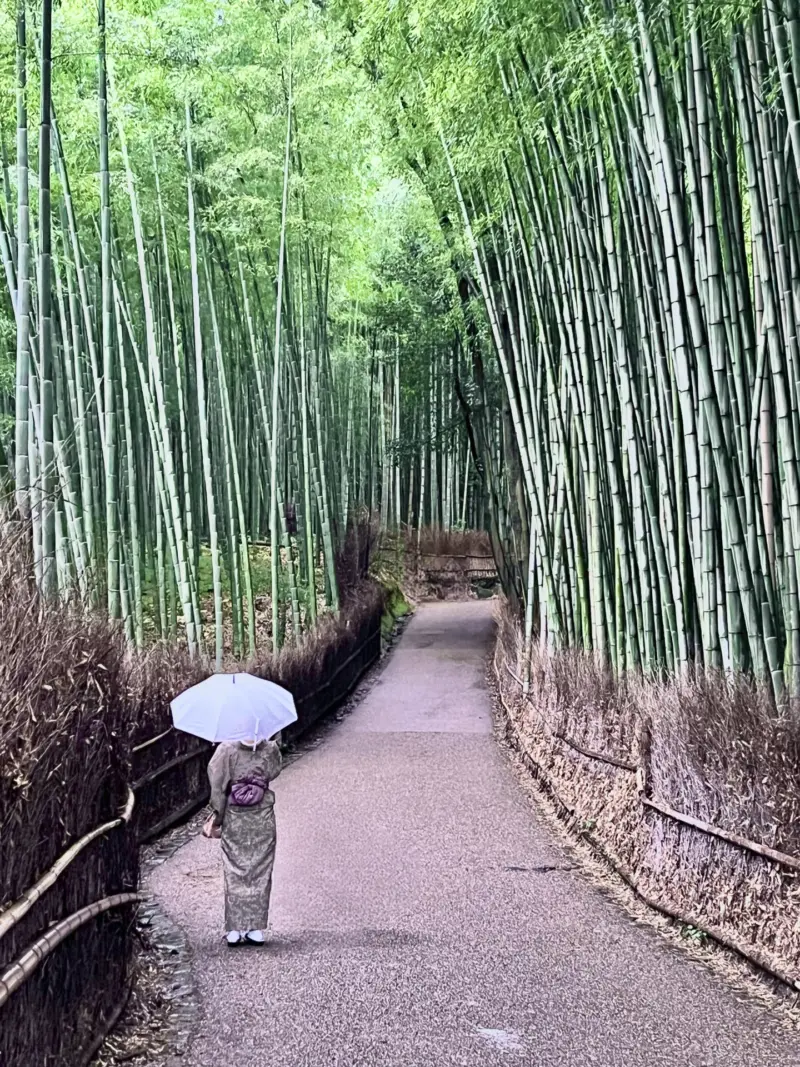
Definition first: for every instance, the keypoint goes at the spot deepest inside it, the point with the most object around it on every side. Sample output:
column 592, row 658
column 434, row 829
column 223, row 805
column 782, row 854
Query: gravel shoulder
column 424, row 914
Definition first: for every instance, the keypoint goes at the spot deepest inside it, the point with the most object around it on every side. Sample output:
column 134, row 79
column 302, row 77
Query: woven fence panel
column 53, row 1018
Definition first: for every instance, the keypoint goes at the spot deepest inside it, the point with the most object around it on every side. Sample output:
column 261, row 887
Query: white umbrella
column 233, row 707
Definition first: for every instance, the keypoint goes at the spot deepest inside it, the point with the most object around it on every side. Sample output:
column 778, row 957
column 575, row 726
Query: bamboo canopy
column 208, row 388
column 559, row 304
column 619, row 184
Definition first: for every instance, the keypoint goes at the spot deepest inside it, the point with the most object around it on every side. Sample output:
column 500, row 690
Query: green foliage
column 396, row 608
column 693, row 935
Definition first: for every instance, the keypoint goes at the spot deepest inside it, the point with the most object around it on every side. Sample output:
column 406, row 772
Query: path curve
column 422, row 917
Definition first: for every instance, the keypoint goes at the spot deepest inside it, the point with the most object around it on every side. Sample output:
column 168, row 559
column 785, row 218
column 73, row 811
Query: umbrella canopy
column 233, row 707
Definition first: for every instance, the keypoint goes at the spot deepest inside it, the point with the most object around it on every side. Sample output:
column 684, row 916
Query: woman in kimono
column 240, row 774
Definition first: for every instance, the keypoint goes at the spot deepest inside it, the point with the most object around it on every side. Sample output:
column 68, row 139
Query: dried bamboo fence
column 469, row 565
column 453, row 575
column 606, row 763
column 65, row 941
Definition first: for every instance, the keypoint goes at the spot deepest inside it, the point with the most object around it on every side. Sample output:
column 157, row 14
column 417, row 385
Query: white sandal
column 234, row 938
column 255, row 937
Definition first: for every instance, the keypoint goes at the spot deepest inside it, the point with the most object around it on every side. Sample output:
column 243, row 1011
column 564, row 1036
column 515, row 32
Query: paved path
column 413, row 925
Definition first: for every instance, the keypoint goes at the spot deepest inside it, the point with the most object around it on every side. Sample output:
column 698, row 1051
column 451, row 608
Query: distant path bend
column 410, row 925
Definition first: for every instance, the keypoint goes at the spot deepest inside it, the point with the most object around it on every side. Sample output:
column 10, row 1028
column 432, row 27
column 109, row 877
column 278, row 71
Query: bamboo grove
column 535, row 268
column 620, row 183
column 206, row 359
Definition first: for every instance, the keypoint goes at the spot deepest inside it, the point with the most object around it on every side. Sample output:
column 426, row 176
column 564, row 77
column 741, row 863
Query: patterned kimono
column 248, row 834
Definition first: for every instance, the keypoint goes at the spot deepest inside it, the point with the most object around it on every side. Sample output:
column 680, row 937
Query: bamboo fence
column 628, row 850
column 166, row 787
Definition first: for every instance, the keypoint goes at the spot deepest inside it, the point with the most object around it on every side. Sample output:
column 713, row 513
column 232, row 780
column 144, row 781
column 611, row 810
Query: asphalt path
column 423, row 917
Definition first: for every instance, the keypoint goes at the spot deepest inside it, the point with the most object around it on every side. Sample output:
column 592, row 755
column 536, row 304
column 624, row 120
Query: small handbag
column 211, row 828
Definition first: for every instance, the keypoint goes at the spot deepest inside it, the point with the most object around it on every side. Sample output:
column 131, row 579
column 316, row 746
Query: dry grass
column 62, row 743
column 62, row 772
column 718, row 751
column 434, row 541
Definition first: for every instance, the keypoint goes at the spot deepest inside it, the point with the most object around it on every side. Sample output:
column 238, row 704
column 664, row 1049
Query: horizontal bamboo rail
column 457, row 555
column 331, row 703
column 152, row 740
column 473, row 574
column 654, row 804
column 762, row 960
column 345, row 663
column 485, row 567
column 728, row 836
column 183, row 812
column 602, row 757
column 12, row 915
column 19, row 972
